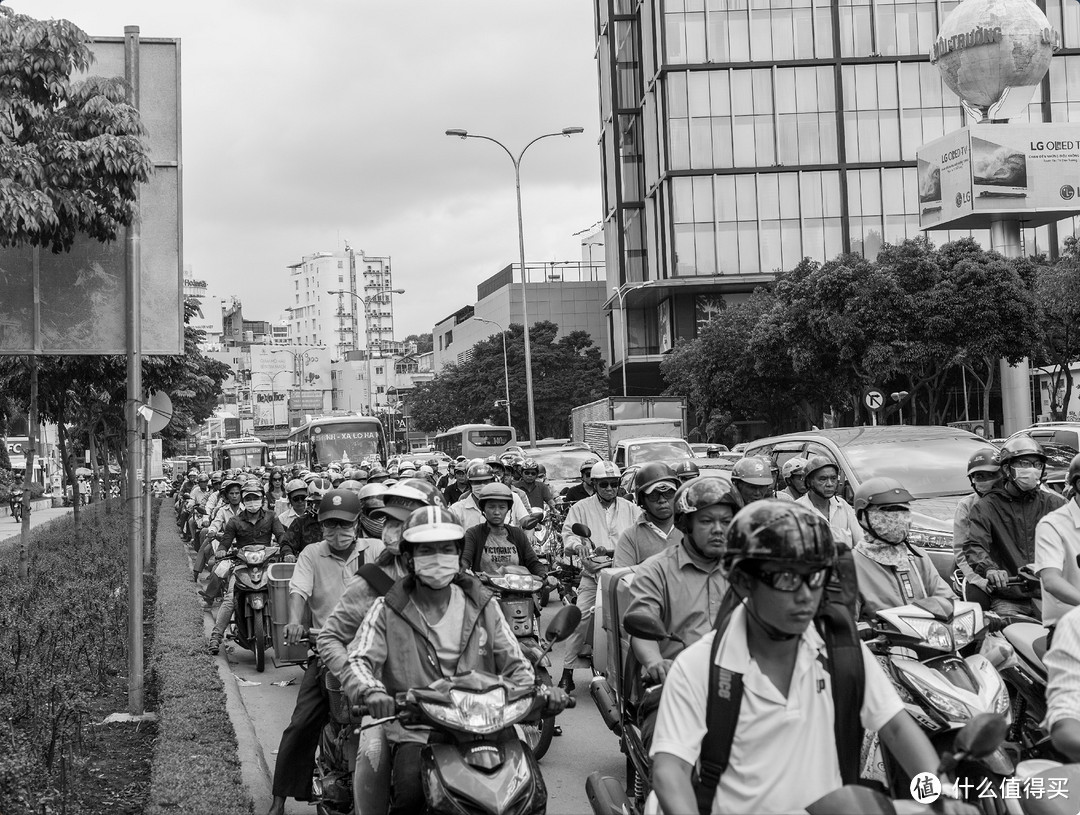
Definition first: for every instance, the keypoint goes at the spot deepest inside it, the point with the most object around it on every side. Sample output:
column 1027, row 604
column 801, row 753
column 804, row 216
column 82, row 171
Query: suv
column 1062, row 434
column 930, row 461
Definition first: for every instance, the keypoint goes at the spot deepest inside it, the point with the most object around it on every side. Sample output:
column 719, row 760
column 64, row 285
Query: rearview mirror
column 566, row 620
column 645, row 626
column 982, row 735
column 581, row 530
column 529, row 522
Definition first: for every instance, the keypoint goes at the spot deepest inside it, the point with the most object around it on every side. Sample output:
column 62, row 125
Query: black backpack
column 844, row 662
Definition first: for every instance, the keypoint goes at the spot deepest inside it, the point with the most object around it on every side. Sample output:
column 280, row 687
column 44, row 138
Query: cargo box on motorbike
column 612, row 644
column 280, row 575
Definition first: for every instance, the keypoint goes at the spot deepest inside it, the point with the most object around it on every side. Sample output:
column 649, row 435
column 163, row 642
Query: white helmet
column 605, row 469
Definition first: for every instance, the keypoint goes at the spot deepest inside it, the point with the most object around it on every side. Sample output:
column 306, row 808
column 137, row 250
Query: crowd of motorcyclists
column 766, row 595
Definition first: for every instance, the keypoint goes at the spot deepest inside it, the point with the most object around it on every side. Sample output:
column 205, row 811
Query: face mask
column 1026, row 480
column 983, row 487
column 391, row 536
column 891, row 527
column 340, row 538
column 435, row 571
column 253, row 505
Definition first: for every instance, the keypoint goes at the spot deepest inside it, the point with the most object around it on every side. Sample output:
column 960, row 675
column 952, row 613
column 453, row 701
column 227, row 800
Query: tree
column 71, row 153
column 424, row 342
column 568, row 371
column 1056, row 291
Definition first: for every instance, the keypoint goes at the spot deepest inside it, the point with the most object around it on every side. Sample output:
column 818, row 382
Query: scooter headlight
column 518, row 582
column 963, row 626
column 480, row 713
column 953, row 708
column 253, row 557
column 1002, row 703
column 931, row 632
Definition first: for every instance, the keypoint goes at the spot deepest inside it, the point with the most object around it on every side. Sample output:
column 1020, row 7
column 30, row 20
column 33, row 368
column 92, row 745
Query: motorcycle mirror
column 529, row 522
column 852, row 800
column 581, row 530
column 982, row 735
column 645, row 626
column 566, row 620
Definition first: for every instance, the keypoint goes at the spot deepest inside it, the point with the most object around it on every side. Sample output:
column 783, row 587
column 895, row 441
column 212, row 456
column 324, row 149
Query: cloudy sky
column 308, row 124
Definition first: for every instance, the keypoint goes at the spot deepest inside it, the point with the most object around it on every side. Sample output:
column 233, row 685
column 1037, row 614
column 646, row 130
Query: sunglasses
column 336, row 523
column 791, row 581
column 607, row 485
column 298, row 499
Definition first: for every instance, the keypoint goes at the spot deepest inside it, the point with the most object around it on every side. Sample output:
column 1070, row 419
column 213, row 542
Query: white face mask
column 252, row 504
column 391, row 535
column 436, row 571
column 340, row 538
column 1026, row 480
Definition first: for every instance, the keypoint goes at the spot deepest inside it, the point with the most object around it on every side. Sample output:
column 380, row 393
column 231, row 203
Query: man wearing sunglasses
column 323, row 569
column 292, row 506
column 786, row 750
column 892, row 572
column 607, row 517
column 654, row 490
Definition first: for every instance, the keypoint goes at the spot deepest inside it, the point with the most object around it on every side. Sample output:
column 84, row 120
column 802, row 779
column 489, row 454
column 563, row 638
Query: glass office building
column 739, row 136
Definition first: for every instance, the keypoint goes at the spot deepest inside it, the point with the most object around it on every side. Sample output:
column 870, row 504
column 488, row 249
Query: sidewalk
column 10, row 529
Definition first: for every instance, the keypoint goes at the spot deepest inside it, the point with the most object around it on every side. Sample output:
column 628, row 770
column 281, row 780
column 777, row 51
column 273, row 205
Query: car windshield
column 672, row 450
column 926, row 467
column 563, row 465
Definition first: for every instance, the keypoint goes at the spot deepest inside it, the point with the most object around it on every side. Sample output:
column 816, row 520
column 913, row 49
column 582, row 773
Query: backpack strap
column 721, row 719
column 376, row 578
column 844, row 662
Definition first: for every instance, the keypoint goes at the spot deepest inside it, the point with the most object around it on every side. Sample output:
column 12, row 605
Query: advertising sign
column 270, row 408
column 81, row 292
column 984, row 173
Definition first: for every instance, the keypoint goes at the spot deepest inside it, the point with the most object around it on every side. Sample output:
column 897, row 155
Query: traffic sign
column 874, row 398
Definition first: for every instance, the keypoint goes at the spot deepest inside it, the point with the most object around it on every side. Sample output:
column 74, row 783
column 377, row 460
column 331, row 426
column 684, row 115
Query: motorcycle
column 251, row 590
column 475, row 761
column 16, row 501
column 516, row 589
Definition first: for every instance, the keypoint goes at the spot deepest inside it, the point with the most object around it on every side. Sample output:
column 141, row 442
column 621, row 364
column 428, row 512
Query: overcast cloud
column 308, row 124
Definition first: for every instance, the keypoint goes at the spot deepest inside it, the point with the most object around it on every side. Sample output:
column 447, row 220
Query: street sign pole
column 874, row 399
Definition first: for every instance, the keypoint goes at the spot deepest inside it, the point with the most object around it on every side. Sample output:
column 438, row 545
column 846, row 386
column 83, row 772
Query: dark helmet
column 495, row 463
column 984, row 460
column 752, row 470
column 1018, row 446
column 879, row 492
column 317, row 488
column 480, row 472
column 429, row 524
column 295, row 485
column 685, row 470
column 819, row 462
column 655, row 472
column 586, row 465
column 496, row 491
column 778, row 531
column 341, row 504
column 401, row 499
column 703, row 491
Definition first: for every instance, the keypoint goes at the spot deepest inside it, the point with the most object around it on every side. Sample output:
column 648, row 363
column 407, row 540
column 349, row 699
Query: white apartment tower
column 330, row 290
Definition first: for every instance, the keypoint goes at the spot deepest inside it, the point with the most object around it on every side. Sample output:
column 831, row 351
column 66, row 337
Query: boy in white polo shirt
column 1057, row 545
column 783, row 754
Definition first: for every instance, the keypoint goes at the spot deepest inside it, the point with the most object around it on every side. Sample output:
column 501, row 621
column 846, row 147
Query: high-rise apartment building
column 361, row 286
column 739, row 136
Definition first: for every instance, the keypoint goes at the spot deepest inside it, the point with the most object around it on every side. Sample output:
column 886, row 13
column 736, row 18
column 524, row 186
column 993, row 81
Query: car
column 720, row 467
column 931, row 462
column 563, row 464
column 702, row 449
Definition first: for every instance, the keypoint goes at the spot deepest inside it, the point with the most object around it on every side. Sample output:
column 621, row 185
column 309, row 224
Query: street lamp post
column 506, row 367
column 366, row 300
column 300, row 358
column 622, row 291
column 566, row 131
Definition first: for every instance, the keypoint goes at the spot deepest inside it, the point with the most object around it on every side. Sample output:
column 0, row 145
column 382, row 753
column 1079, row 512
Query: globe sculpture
column 993, row 54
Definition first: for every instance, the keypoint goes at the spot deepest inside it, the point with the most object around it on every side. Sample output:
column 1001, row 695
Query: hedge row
column 63, row 634
column 196, row 766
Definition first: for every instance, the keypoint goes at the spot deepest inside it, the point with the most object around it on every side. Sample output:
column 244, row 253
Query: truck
column 618, row 408
column 634, row 441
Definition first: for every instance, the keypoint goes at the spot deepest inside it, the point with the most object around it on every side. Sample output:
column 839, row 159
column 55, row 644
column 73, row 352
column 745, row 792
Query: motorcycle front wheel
column 538, row 734
column 259, row 636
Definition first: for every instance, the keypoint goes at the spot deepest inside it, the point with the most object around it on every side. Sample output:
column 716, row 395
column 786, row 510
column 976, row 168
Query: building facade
column 570, row 294
column 739, row 136
column 330, row 293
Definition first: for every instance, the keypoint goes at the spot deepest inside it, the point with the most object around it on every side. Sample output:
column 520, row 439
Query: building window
column 380, row 389
column 340, row 265
column 378, row 370
column 449, row 338
column 856, row 32
column 341, row 278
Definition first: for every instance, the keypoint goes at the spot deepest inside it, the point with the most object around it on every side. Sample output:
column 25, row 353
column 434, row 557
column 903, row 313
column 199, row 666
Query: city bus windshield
column 234, row 457
column 352, row 442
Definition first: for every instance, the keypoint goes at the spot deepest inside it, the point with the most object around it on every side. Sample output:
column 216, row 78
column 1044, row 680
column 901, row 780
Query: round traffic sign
column 874, row 398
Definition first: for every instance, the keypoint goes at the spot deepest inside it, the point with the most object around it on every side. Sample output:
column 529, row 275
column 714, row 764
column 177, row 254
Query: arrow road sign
column 874, row 399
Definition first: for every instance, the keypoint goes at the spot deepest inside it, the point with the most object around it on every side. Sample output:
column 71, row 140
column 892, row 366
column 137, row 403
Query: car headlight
column 963, row 626
column 930, row 538
column 953, row 708
column 933, row 633
column 480, row 713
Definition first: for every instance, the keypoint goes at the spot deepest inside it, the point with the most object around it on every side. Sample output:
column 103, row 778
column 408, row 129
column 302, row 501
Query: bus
column 247, row 451
column 475, row 440
column 349, row 439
